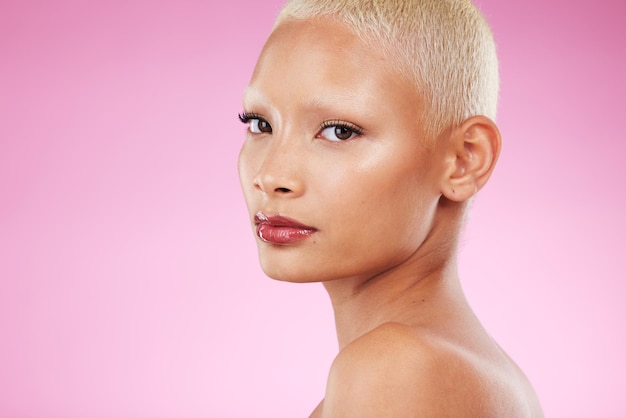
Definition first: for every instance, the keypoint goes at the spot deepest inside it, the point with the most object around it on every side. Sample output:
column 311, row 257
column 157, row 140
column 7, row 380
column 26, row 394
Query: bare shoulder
column 397, row 370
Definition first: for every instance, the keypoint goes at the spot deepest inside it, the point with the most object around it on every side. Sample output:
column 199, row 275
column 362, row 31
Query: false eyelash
column 245, row 117
column 342, row 124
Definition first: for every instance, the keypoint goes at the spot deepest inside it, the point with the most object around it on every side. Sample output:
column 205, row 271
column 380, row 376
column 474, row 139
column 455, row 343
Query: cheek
column 243, row 163
column 247, row 167
column 397, row 209
column 387, row 208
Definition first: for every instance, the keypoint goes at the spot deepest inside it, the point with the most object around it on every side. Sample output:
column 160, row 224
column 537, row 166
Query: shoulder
column 397, row 370
column 389, row 345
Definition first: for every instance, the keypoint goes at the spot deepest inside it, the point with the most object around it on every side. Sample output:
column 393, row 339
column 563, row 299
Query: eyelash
column 342, row 124
column 246, row 117
column 254, row 120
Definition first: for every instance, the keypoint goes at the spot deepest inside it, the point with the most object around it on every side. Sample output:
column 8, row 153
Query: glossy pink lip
column 278, row 229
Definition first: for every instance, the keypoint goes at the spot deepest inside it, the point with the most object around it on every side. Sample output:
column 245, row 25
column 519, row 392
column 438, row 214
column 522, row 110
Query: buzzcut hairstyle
column 445, row 47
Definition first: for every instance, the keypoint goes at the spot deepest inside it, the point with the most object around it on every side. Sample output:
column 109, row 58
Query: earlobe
column 475, row 149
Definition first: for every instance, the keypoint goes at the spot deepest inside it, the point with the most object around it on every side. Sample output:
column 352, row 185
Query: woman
column 370, row 128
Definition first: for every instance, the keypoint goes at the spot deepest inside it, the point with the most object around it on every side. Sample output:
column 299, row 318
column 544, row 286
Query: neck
column 422, row 290
column 404, row 294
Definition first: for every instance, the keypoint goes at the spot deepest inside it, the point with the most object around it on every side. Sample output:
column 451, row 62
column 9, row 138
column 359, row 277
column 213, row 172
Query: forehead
column 322, row 38
column 321, row 61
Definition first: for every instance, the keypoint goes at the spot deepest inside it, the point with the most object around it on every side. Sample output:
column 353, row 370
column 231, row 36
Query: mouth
column 281, row 230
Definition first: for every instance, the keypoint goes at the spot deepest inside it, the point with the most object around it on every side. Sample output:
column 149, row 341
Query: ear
column 475, row 147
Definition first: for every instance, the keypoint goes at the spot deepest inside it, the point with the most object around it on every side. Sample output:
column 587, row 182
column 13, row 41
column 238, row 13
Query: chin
column 280, row 272
column 284, row 264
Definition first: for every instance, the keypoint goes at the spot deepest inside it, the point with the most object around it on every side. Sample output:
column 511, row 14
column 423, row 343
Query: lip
column 281, row 230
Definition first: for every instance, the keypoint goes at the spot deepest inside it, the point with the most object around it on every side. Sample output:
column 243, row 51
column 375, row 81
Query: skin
column 387, row 205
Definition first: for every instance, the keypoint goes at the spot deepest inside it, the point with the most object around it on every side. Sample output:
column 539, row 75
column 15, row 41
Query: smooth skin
column 335, row 141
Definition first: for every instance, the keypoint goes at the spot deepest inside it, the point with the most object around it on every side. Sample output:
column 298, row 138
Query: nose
column 280, row 173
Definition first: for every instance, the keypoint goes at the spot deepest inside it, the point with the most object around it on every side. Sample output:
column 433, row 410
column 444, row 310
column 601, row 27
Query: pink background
column 129, row 284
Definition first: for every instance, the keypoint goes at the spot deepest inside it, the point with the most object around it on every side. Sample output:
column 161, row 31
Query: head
column 341, row 171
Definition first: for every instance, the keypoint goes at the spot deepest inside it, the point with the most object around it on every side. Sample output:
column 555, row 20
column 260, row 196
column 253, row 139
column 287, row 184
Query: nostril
column 282, row 190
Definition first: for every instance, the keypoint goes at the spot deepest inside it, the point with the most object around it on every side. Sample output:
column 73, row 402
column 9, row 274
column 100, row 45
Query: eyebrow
column 333, row 103
column 253, row 94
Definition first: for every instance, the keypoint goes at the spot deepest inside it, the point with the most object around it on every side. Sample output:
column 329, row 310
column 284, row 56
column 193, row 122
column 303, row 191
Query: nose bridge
column 280, row 171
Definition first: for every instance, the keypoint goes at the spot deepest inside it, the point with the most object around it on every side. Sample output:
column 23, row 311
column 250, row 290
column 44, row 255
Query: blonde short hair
column 444, row 46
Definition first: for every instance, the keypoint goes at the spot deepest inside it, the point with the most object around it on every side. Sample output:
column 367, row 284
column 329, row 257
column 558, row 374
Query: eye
column 337, row 131
column 257, row 124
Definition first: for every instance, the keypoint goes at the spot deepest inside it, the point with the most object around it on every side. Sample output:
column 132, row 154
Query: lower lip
column 282, row 234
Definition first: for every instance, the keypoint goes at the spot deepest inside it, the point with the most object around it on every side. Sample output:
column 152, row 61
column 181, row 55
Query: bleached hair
column 444, row 46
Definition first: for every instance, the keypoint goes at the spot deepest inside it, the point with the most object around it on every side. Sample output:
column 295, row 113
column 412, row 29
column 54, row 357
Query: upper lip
column 279, row 220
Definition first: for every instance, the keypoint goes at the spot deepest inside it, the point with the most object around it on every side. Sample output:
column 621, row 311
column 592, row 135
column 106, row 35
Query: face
column 336, row 174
